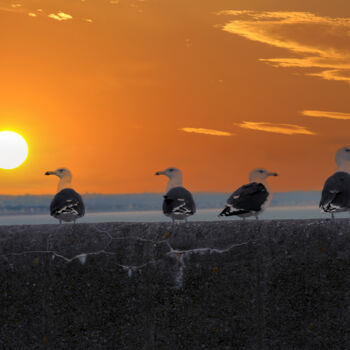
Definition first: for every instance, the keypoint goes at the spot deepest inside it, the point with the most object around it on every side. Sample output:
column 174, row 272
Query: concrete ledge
column 220, row 285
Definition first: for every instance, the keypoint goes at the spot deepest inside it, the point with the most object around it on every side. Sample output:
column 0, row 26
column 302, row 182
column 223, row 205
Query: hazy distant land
column 30, row 204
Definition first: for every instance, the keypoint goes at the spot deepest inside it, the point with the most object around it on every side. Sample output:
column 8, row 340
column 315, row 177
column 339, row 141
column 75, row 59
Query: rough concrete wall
column 241, row 285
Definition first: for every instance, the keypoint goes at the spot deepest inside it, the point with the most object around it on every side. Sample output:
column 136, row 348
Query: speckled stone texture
column 265, row 285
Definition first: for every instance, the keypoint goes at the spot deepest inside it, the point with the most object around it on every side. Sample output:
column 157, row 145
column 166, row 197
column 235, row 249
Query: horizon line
column 141, row 193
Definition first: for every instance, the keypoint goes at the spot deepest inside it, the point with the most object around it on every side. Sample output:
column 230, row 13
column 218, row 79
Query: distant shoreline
column 97, row 203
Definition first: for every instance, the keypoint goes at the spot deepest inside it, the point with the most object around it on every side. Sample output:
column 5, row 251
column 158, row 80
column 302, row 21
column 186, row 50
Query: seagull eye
column 261, row 171
column 171, row 169
column 347, row 150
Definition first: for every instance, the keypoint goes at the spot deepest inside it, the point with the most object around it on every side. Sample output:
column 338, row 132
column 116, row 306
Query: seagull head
column 62, row 173
column 342, row 157
column 260, row 174
column 170, row 172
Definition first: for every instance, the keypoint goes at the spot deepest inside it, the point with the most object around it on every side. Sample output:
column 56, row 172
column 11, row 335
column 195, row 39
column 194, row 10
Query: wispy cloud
column 326, row 114
column 60, row 16
column 10, row 8
column 319, row 42
column 40, row 13
column 207, row 131
column 285, row 129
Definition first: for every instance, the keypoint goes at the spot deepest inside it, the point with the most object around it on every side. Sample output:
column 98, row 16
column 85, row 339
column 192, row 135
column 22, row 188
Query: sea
column 272, row 213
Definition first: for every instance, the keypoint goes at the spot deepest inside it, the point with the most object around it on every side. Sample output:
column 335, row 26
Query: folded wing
column 179, row 202
column 247, row 199
column 336, row 193
column 67, row 205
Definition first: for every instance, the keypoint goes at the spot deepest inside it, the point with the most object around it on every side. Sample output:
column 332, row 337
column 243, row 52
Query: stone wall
column 265, row 285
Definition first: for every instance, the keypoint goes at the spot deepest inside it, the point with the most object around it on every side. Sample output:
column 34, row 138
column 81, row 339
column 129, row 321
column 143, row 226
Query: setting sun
column 13, row 150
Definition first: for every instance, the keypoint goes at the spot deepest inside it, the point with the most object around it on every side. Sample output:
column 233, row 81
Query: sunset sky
column 116, row 90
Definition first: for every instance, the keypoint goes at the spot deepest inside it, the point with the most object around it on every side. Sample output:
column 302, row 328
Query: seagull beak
column 50, row 173
column 273, row 174
column 159, row 173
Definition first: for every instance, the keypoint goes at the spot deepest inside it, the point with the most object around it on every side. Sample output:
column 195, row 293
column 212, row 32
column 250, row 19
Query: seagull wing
column 336, row 193
column 179, row 201
column 67, row 201
column 248, row 198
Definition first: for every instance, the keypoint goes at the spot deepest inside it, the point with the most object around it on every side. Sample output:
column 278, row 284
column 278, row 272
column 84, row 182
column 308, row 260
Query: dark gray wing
column 248, row 198
column 67, row 201
column 179, row 201
column 336, row 193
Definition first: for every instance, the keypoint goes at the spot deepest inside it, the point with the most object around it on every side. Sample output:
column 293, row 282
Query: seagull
column 178, row 202
column 67, row 205
column 251, row 199
column 335, row 196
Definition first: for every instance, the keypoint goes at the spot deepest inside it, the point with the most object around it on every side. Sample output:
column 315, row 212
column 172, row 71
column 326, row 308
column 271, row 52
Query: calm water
column 156, row 216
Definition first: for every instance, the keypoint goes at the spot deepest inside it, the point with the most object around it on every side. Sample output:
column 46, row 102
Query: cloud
column 207, row 131
column 188, row 43
column 21, row 10
column 285, row 129
column 325, row 114
column 14, row 8
column 60, row 16
column 321, row 43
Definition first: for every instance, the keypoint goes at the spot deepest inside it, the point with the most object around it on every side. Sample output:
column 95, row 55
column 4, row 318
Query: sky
column 116, row 90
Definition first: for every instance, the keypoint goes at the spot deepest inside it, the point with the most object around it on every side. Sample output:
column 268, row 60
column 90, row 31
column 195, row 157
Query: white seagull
column 251, row 199
column 67, row 205
column 178, row 202
column 335, row 196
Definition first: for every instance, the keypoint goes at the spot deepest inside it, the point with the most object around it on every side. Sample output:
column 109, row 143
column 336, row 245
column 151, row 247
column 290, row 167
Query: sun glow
column 13, row 150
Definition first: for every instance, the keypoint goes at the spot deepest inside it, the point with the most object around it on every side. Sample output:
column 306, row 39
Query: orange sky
column 116, row 90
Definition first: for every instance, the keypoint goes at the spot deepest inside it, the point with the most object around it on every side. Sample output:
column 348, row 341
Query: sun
column 13, row 150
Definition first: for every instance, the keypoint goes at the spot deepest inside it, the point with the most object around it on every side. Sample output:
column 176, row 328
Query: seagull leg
column 256, row 217
column 333, row 218
column 60, row 221
column 173, row 227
